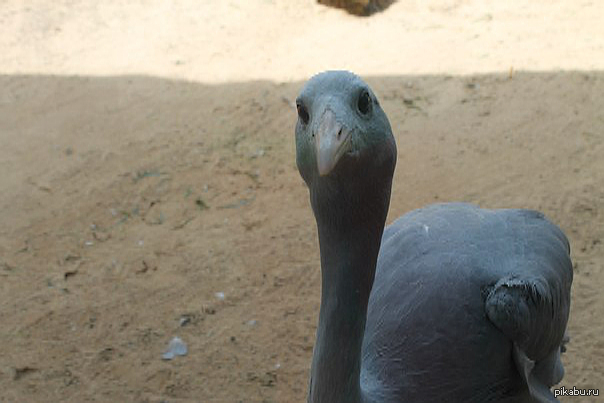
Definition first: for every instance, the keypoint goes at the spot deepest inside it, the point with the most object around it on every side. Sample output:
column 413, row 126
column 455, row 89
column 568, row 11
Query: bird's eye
column 303, row 113
column 364, row 102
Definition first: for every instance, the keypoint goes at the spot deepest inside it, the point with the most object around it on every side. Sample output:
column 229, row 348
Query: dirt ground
column 149, row 190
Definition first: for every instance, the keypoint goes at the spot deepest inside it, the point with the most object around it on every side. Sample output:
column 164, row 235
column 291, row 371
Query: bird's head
column 344, row 143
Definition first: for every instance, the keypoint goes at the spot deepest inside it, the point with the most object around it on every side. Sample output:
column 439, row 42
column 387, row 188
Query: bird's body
column 428, row 331
column 449, row 303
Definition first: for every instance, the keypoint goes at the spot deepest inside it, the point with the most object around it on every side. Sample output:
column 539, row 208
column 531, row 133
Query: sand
column 148, row 166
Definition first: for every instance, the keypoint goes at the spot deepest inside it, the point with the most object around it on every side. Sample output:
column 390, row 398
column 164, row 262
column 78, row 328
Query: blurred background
column 149, row 188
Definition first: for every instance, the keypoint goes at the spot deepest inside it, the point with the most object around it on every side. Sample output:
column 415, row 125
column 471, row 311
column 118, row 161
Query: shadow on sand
column 129, row 202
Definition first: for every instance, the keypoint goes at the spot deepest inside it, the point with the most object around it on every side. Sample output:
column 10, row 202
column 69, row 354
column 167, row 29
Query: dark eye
column 303, row 113
column 364, row 102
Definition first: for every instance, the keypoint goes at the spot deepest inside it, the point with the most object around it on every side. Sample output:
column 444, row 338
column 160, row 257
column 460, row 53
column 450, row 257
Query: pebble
column 175, row 347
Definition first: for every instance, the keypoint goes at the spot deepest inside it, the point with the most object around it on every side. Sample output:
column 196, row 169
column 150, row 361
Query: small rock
column 175, row 347
column 219, row 295
column 252, row 322
column 184, row 320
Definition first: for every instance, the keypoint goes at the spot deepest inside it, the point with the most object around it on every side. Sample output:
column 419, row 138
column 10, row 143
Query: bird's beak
column 332, row 140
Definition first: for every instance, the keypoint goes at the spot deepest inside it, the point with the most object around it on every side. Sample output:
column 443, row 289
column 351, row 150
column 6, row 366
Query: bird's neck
column 348, row 263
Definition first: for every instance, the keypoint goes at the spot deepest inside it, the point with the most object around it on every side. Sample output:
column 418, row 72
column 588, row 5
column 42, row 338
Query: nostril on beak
column 339, row 133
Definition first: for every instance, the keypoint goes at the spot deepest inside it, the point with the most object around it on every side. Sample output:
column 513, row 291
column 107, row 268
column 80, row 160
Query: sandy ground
column 147, row 164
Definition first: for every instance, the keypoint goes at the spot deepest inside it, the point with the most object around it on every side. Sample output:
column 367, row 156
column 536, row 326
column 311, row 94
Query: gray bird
column 450, row 303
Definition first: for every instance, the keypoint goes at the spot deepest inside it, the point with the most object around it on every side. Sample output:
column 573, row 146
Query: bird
column 449, row 303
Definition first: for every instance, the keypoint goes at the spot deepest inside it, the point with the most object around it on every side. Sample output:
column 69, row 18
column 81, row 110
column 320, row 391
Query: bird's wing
column 531, row 307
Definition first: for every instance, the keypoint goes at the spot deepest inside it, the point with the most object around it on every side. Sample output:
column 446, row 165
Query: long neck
column 349, row 251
